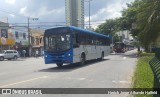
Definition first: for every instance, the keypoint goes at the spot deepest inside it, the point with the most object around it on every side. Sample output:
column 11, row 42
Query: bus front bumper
column 58, row 59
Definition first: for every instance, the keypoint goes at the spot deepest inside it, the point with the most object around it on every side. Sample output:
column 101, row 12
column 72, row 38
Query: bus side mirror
column 76, row 45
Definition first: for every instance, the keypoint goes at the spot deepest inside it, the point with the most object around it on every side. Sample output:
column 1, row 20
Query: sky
column 52, row 12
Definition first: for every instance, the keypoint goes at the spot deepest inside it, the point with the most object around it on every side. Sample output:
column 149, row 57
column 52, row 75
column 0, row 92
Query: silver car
column 9, row 54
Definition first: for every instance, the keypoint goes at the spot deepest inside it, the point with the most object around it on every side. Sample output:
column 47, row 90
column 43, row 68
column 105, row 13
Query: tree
column 141, row 17
column 148, row 20
column 116, row 38
column 109, row 27
column 129, row 18
column 146, row 15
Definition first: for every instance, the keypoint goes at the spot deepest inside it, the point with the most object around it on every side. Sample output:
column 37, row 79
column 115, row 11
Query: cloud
column 12, row 15
column 10, row 1
column 23, row 10
column 110, row 11
column 44, row 13
column 54, row 10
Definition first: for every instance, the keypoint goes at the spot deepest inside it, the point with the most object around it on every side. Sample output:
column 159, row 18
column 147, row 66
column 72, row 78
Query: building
column 20, row 35
column 75, row 13
column 125, row 36
column 6, row 38
column 37, row 41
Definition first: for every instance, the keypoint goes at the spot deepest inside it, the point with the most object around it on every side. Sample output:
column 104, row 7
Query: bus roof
column 80, row 29
column 87, row 31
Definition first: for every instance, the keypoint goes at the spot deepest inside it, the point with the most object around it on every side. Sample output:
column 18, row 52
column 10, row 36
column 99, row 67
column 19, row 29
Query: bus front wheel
column 59, row 65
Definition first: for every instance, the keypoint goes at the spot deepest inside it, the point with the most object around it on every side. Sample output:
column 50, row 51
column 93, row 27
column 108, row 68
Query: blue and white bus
column 67, row 45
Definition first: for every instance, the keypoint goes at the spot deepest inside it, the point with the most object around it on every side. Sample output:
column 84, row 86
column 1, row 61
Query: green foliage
column 148, row 20
column 143, row 76
column 116, row 38
column 144, row 15
column 109, row 27
column 130, row 16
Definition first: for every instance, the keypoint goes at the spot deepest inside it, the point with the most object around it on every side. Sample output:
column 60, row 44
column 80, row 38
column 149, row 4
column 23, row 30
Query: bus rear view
column 119, row 47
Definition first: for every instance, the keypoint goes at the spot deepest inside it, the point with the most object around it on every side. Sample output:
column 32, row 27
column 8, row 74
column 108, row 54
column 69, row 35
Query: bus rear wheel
column 83, row 60
column 59, row 65
column 102, row 56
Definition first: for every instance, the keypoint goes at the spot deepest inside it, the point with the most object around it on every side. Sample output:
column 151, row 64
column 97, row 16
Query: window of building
column 41, row 40
column 4, row 33
column 37, row 40
column 16, row 34
column 24, row 35
column 32, row 40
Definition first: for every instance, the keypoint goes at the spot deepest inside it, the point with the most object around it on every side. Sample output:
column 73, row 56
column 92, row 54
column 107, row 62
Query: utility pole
column 29, row 40
column 89, row 2
column 30, row 35
column 89, row 14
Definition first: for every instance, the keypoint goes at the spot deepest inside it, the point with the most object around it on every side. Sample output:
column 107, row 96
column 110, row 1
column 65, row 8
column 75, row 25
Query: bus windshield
column 58, row 42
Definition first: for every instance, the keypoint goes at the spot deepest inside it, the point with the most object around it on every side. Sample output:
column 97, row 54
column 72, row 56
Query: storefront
column 6, row 43
column 20, row 46
column 39, row 48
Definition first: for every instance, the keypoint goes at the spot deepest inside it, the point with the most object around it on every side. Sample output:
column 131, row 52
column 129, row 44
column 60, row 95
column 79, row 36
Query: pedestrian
column 24, row 53
column 42, row 54
column 36, row 53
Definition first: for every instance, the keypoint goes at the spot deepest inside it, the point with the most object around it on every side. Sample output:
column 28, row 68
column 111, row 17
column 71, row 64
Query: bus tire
column 83, row 59
column 102, row 56
column 59, row 65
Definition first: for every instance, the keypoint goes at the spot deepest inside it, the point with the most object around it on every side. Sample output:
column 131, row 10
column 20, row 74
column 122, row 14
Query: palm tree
column 148, row 20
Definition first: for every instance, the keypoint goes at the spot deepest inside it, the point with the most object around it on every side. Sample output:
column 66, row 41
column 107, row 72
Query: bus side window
column 82, row 39
column 76, row 41
column 77, row 38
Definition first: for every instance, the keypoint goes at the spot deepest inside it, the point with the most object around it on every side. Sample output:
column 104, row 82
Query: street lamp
column 30, row 34
column 89, row 2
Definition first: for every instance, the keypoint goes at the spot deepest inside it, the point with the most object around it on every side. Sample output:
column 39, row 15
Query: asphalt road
column 115, row 71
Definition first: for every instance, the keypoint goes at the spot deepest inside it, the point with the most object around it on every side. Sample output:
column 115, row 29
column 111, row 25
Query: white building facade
column 20, row 36
column 75, row 13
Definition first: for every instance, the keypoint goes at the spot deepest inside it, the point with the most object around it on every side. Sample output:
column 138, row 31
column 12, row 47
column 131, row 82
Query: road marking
column 43, row 77
column 114, row 81
column 124, row 58
column 69, row 78
column 82, row 78
column 121, row 82
column 124, row 82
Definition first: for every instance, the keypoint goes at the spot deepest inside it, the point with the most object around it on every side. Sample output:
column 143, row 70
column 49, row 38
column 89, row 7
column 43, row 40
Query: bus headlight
column 69, row 55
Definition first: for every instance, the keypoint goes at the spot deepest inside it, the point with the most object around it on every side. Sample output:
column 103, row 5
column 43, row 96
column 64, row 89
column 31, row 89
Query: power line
column 55, row 22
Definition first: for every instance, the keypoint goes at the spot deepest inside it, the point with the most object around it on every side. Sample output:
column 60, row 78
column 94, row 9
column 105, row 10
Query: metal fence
column 155, row 66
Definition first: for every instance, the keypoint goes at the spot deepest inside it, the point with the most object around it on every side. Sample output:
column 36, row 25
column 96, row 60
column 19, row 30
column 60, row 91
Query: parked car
column 9, row 54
